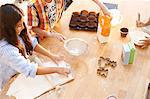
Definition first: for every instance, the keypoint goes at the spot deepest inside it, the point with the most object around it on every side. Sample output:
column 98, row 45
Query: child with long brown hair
column 16, row 43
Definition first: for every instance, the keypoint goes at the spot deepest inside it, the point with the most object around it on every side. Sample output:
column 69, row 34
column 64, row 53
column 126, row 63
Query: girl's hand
column 144, row 43
column 103, row 8
column 140, row 24
column 57, row 58
column 96, row 1
column 41, row 38
column 59, row 36
column 63, row 71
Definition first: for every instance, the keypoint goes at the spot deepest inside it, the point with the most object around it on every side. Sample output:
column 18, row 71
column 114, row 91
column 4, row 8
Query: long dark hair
column 10, row 15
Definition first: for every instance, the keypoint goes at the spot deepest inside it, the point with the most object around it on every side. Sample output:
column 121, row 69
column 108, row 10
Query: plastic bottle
column 104, row 26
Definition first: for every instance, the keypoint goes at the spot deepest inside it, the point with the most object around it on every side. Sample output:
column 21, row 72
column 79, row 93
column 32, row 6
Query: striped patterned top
column 38, row 16
column 12, row 62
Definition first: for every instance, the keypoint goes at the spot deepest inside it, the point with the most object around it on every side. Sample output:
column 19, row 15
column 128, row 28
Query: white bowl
column 76, row 46
column 140, row 35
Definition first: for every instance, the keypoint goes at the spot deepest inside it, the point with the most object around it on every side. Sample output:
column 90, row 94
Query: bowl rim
column 66, row 41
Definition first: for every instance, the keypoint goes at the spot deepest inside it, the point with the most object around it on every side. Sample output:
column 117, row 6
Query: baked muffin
column 91, row 25
column 83, row 19
column 73, row 24
column 75, row 18
column 93, row 13
column 76, row 14
column 124, row 32
column 84, row 13
column 82, row 25
column 92, row 18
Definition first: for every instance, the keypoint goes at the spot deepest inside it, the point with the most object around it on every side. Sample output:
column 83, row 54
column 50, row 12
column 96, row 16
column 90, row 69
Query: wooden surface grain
column 124, row 82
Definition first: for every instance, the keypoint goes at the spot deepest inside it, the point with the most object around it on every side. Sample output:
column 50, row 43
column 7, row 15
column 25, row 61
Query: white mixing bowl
column 76, row 46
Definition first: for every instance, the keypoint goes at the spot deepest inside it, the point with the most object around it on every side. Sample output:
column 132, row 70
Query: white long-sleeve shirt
column 12, row 62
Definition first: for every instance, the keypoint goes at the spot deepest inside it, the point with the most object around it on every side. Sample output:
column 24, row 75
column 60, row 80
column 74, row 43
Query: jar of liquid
column 104, row 26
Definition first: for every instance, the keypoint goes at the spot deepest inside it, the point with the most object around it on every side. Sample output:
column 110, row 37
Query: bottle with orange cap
column 104, row 26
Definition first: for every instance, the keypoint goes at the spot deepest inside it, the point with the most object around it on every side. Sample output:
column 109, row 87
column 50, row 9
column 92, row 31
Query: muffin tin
column 84, row 20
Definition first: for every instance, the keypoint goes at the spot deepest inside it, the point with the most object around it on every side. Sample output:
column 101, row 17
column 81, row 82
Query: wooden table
column 124, row 82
